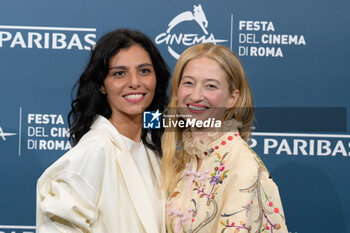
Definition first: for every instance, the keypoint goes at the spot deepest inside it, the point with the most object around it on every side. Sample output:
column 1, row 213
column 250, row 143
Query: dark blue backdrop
column 295, row 53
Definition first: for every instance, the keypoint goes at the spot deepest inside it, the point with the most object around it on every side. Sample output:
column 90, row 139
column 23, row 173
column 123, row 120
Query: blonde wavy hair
column 174, row 161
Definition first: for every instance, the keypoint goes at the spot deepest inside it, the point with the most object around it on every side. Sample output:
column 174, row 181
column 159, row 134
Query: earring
column 179, row 145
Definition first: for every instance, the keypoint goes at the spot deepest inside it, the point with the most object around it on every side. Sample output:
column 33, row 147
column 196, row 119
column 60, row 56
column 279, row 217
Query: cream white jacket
column 97, row 187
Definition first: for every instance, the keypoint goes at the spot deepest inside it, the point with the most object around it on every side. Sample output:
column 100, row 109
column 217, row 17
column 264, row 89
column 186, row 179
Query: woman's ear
column 232, row 99
column 103, row 90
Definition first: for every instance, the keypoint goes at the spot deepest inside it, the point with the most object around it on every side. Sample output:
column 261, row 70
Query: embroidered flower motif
column 194, row 176
column 264, row 221
column 215, row 179
column 181, row 217
column 209, row 151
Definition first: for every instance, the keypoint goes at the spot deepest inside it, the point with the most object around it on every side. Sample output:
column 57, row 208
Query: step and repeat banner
column 296, row 55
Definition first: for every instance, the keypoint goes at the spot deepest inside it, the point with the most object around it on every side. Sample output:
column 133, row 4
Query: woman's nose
column 197, row 93
column 134, row 81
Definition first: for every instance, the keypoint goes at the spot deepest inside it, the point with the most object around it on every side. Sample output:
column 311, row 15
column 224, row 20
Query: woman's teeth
column 134, row 96
column 197, row 108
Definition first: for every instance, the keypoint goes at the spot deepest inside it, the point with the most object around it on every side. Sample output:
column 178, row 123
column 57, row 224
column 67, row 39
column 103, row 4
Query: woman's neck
column 198, row 133
column 129, row 126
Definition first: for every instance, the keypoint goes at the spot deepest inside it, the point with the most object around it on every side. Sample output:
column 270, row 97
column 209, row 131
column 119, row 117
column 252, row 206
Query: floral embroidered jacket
column 231, row 192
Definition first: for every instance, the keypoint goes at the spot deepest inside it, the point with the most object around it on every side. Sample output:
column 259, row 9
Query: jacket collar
column 103, row 124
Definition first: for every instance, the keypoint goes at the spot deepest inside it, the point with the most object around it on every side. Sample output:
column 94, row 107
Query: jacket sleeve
column 65, row 204
column 253, row 205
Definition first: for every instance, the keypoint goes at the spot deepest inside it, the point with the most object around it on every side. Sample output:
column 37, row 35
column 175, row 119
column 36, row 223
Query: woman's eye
column 145, row 71
column 119, row 73
column 187, row 83
column 211, row 86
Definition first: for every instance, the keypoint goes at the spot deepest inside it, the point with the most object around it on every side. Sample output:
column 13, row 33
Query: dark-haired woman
column 108, row 182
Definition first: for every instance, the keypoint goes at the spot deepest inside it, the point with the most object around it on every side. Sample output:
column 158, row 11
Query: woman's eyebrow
column 187, row 76
column 143, row 65
column 118, row 67
column 211, row 80
column 126, row 68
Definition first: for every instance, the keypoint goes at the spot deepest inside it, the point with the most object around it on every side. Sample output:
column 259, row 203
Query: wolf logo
column 187, row 39
column 197, row 15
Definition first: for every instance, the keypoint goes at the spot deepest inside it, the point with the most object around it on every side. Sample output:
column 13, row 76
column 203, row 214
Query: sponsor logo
column 151, row 119
column 263, row 39
column 40, row 131
column 3, row 134
column 55, row 38
column 185, row 39
column 306, row 145
column 192, row 122
column 47, row 132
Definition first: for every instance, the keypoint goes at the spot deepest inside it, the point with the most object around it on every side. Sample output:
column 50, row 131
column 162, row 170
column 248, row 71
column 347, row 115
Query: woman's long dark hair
column 90, row 102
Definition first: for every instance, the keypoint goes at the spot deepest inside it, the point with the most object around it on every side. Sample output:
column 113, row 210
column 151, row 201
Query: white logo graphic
column 260, row 39
column 192, row 122
column 151, row 120
column 187, row 39
column 35, row 37
column 148, row 122
column 156, row 115
column 3, row 135
column 197, row 15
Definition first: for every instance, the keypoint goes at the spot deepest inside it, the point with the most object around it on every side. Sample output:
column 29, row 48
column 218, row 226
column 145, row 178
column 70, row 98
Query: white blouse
column 141, row 158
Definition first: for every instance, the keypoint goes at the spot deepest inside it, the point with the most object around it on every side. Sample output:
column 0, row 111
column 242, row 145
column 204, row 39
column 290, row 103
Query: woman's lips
column 134, row 97
column 197, row 108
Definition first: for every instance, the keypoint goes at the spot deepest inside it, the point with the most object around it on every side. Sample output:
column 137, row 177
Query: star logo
column 151, row 120
column 156, row 115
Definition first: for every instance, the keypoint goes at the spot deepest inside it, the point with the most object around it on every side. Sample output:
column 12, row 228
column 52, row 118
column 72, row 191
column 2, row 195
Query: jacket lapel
column 138, row 191
column 155, row 163
column 132, row 177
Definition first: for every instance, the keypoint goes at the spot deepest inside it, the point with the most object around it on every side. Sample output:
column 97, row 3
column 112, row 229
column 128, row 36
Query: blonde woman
column 215, row 181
